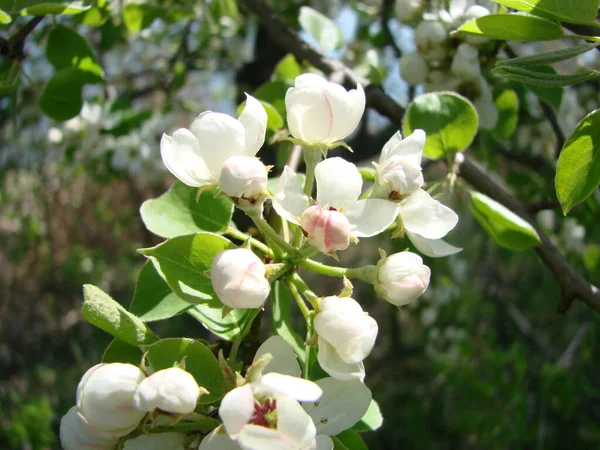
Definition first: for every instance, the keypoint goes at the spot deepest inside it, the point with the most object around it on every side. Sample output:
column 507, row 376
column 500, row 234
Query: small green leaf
column 372, row 420
column 507, row 104
column 287, row 70
column 5, row 18
column 513, row 27
column 234, row 326
column 542, row 59
column 102, row 311
column 199, row 361
column 61, row 99
column 138, row 16
column 349, row 440
column 506, row 227
column 578, row 168
column 320, row 28
column 575, row 11
column 67, row 49
column 55, row 8
column 183, row 263
column 119, row 351
column 176, row 212
column 10, row 74
column 282, row 319
column 153, row 299
column 551, row 95
column 449, row 119
column 537, row 78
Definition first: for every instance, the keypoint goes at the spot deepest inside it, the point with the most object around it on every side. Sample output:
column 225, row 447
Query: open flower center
column 264, row 414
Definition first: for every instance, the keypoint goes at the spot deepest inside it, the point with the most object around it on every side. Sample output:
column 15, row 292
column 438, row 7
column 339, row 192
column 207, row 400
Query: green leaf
column 119, row 351
column 507, row 104
column 287, row 70
column 61, row 99
column 183, row 263
column 578, row 168
column 55, row 8
column 282, row 319
column 138, row 16
column 199, row 361
column 542, row 59
column 10, row 74
column 234, row 326
column 372, row 420
column 449, row 119
column 67, row 49
column 551, row 95
column 513, row 27
column 102, row 311
column 176, row 212
column 153, row 299
column 5, row 18
column 575, row 11
column 349, row 440
column 507, row 228
column 534, row 77
column 320, row 28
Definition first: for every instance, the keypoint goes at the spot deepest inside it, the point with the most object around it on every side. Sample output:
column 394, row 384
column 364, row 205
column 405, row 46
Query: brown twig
column 14, row 46
column 571, row 283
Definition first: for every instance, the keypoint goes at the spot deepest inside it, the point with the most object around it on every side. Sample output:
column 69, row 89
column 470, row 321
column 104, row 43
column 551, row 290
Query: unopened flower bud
column 465, row 63
column 238, row 278
column 343, row 324
column 327, row 230
column 431, row 37
column 105, row 398
column 409, row 11
column 413, row 68
column 159, row 441
column 171, row 390
column 76, row 435
column 402, row 278
column 243, row 177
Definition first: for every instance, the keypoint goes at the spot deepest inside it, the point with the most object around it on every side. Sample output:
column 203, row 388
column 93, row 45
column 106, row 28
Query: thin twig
column 14, row 46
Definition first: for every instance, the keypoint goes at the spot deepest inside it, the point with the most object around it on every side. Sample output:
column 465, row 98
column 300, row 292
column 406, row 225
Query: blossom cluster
column 274, row 405
column 444, row 61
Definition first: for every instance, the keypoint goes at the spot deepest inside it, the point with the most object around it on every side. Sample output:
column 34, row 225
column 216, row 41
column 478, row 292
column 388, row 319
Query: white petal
column 310, row 79
column 218, row 440
column 338, row 183
column 409, row 148
column 458, row 7
column 335, row 366
column 342, row 404
column 159, row 441
column 486, row 108
column 256, row 437
column 347, row 108
column 284, row 358
column 298, row 388
column 294, row 423
column 371, row 216
column 237, row 408
column 324, row 442
column 289, row 200
column 219, row 137
column 434, row 248
column 181, row 155
column 309, row 114
column 254, row 119
column 426, row 216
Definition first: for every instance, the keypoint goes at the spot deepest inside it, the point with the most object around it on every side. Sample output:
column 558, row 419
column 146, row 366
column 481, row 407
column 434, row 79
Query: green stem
column 361, row 273
column 312, row 157
column 298, row 299
column 269, row 232
column 233, row 353
column 237, row 234
column 201, row 423
column 291, row 284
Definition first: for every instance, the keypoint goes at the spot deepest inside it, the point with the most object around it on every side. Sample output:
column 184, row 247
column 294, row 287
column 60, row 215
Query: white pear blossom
column 346, row 336
column 339, row 186
column 402, row 278
column 322, row 112
column 244, row 177
column 196, row 155
column 172, row 390
column 413, row 68
column 431, row 39
column 238, row 277
column 159, row 441
column 105, row 398
column 408, row 11
column 76, row 435
column 465, row 63
column 424, row 219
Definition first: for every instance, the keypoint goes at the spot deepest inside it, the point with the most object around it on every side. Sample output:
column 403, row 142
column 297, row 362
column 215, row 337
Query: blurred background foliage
column 482, row 361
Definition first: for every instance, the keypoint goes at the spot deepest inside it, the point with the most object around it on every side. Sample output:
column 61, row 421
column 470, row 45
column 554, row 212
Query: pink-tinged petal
column 371, row 216
column 219, row 137
column 289, row 200
column 298, row 388
column 324, row 442
column 182, row 157
column 409, row 148
column 427, row 217
column 309, row 114
column 236, row 409
column 335, row 366
column 347, row 108
column 218, row 440
column 342, row 404
column 338, row 183
column 434, row 248
column 254, row 119
column 294, row 423
column 284, row 358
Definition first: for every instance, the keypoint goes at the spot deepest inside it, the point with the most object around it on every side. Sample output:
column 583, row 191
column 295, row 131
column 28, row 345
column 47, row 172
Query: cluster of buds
column 446, row 61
